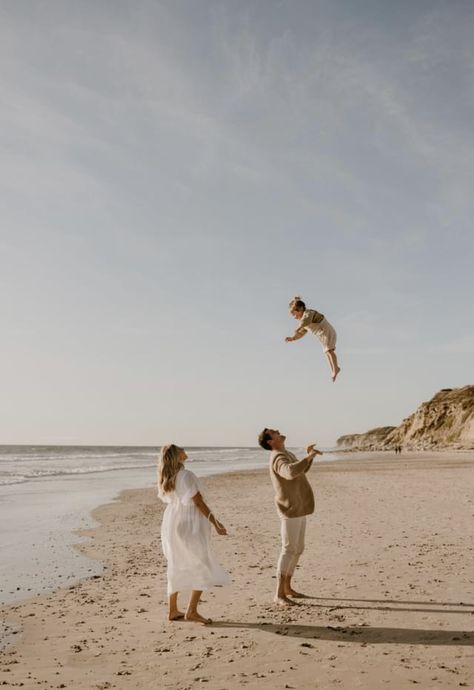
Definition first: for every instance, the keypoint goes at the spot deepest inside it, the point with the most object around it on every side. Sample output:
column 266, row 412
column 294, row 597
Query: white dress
column 185, row 537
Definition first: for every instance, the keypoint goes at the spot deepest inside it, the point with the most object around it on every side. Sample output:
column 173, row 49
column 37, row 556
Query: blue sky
column 173, row 172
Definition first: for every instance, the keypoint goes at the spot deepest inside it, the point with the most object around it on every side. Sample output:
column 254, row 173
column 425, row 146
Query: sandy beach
column 389, row 567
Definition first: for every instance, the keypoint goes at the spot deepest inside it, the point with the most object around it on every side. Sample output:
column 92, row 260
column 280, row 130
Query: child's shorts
column 327, row 335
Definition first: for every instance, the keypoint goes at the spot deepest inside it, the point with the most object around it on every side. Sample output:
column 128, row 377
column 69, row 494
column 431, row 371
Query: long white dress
column 185, row 538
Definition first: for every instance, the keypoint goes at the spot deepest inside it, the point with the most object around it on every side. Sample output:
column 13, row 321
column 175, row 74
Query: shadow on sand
column 389, row 605
column 358, row 634
column 397, row 601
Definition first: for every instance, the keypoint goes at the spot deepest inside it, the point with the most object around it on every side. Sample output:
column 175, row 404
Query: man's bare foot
column 284, row 601
column 197, row 618
column 176, row 616
column 334, row 376
column 296, row 595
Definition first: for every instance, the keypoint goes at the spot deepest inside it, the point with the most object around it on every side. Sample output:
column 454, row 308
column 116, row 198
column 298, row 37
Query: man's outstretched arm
column 290, row 470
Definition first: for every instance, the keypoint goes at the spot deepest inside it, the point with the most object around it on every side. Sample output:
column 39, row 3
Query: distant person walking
column 312, row 320
column 294, row 500
column 185, row 535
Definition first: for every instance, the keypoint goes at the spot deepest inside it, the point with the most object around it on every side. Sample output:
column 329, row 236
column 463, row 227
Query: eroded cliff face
column 445, row 421
column 371, row 439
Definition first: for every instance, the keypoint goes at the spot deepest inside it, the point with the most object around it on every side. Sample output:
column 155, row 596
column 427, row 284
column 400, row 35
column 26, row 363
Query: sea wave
column 23, row 464
column 57, row 455
column 40, row 474
column 13, row 479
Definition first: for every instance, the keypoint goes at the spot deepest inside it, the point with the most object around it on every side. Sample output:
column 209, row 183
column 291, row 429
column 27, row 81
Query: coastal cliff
column 445, row 421
column 372, row 439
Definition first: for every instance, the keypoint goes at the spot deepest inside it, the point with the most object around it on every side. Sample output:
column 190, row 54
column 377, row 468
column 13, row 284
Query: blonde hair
column 297, row 303
column 168, row 467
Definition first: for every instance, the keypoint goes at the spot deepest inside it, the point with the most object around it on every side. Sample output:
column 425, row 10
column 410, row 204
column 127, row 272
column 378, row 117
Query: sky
column 172, row 173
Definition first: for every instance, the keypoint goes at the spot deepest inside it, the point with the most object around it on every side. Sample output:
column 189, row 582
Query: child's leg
column 332, row 359
column 173, row 612
column 192, row 612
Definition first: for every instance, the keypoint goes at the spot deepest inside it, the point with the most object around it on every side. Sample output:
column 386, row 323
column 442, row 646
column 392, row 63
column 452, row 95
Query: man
column 294, row 500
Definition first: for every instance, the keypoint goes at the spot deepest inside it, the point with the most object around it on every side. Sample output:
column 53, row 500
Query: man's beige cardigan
column 293, row 493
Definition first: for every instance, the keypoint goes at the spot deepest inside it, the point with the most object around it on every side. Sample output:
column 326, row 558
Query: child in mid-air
column 312, row 320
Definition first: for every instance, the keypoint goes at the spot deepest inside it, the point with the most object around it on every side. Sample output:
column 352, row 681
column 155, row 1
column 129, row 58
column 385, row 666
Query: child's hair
column 297, row 303
column 168, row 468
column 263, row 439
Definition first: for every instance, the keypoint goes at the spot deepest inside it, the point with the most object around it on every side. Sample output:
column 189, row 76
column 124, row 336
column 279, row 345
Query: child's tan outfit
column 317, row 323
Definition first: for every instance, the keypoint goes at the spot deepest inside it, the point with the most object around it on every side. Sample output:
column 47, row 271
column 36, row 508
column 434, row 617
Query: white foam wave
column 41, row 473
column 13, row 479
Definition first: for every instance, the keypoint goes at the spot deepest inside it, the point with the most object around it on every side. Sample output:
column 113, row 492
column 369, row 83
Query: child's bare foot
column 284, row 601
column 196, row 617
column 334, row 376
column 176, row 616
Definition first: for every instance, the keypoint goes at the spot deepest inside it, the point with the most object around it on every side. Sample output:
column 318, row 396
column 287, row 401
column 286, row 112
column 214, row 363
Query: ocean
column 23, row 464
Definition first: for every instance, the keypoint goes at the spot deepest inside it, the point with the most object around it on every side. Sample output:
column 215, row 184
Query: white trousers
column 292, row 544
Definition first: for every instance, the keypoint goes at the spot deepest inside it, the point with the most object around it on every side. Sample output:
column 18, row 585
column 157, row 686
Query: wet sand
column 389, row 567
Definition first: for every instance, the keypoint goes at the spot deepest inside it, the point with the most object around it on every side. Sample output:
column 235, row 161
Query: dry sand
column 389, row 564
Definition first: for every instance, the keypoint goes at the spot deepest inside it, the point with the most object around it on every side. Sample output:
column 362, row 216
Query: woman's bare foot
column 334, row 376
column 284, row 601
column 196, row 617
column 176, row 616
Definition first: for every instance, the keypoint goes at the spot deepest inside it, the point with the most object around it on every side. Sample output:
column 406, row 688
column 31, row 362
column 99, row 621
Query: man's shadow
column 389, row 605
column 358, row 634
column 370, row 635
column 396, row 601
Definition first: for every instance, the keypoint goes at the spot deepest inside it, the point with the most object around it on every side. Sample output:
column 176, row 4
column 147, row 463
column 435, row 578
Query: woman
column 185, row 535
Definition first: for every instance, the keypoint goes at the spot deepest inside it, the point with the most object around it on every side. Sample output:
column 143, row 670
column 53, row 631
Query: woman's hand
column 289, row 339
column 220, row 529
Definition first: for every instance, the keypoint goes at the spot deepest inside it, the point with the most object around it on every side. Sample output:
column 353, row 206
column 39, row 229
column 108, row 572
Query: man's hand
column 289, row 339
column 312, row 451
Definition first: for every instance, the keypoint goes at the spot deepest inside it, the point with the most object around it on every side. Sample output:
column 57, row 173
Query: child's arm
column 203, row 508
column 299, row 333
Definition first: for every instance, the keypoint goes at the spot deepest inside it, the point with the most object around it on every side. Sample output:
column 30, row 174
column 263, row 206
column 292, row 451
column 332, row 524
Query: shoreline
column 40, row 520
column 388, row 565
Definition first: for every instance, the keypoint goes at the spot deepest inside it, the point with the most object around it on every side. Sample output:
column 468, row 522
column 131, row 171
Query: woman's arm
column 203, row 508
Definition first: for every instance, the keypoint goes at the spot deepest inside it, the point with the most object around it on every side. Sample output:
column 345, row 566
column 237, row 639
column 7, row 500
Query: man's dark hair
column 263, row 439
